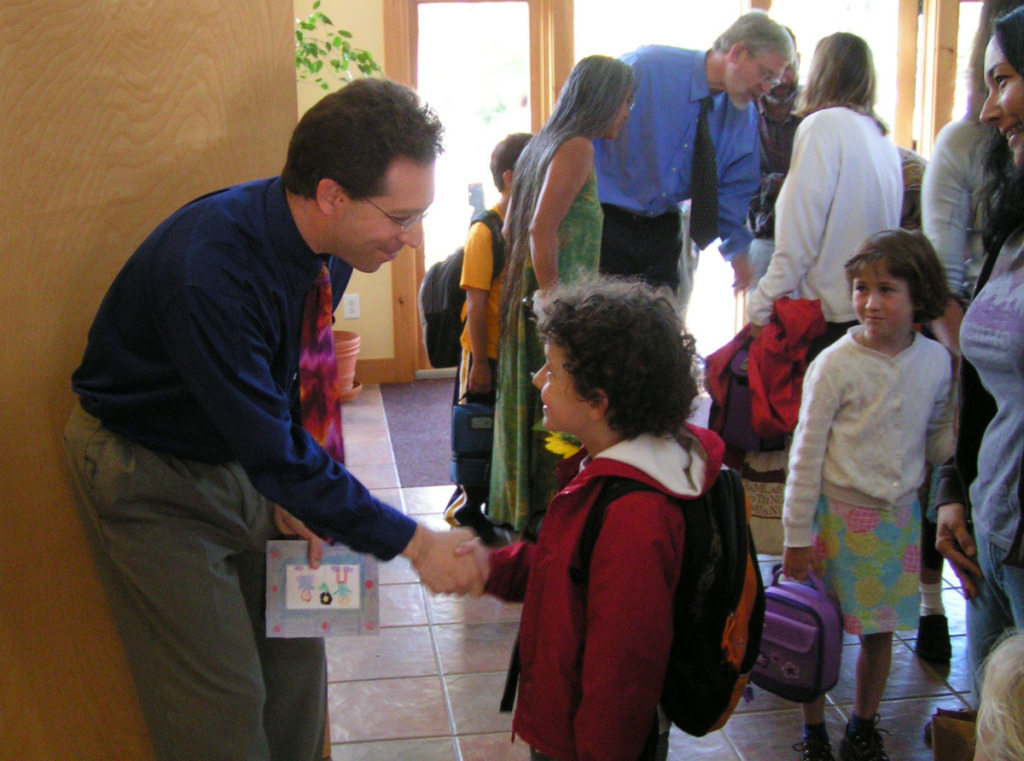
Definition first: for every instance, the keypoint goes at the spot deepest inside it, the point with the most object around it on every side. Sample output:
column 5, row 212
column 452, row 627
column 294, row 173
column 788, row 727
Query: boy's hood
column 684, row 466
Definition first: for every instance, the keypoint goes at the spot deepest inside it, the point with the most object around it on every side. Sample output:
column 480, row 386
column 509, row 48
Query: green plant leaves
column 317, row 41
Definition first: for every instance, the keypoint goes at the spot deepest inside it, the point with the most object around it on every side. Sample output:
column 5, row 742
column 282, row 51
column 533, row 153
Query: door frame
column 551, row 60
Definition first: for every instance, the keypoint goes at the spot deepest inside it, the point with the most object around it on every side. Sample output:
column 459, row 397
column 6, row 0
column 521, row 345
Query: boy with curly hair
column 619, row 375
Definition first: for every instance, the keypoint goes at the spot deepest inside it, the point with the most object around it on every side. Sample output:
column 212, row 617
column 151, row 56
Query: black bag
column 734, row 423
column 719, row 604
column 441, row 297
column 472, row 443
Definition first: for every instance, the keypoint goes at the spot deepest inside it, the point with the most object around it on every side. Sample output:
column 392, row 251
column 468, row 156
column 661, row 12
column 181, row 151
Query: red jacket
column 778, row 361
column 594, row 658
column 775, row 366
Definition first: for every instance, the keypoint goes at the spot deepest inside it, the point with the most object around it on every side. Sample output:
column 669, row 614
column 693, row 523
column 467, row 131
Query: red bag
column 777, row 363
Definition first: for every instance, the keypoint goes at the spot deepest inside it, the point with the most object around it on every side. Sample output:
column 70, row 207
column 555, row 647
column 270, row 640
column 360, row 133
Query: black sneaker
column 863, row 746
column 814, row 750
column 933, row 639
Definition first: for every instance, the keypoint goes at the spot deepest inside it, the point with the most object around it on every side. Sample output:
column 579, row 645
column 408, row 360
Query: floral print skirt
column 870, row 559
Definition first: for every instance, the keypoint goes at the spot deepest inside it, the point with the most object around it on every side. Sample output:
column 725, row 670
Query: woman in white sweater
column 955, row 195
column 844, row 184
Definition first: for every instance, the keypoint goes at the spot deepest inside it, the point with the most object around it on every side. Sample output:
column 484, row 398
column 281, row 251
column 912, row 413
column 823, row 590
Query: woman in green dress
column 553, row 232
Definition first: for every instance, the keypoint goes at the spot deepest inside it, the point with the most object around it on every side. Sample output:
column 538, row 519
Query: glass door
column 473, row 68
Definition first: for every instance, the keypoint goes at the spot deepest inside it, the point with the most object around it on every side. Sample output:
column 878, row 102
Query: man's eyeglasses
column 403, row 224
column 769, row 78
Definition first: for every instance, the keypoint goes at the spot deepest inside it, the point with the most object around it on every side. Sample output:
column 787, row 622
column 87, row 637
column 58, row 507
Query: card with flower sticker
column 339, row 598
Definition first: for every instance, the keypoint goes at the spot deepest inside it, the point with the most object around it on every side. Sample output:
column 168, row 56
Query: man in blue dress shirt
column 186, row 449
column 645, row 173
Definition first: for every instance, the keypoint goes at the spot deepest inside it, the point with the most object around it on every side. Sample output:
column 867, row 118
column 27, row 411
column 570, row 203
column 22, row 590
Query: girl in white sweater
column 876, row 405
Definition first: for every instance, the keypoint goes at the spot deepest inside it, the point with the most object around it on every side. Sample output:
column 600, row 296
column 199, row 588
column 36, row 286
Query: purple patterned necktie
column 319, row 398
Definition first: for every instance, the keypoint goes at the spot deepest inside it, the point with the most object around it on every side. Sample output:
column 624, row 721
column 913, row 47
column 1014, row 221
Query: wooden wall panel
column 112, row 114
column 941, row 22
column 906, row 74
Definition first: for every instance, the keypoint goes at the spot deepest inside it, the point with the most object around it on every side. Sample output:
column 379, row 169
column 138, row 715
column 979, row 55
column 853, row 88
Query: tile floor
column 427, row 688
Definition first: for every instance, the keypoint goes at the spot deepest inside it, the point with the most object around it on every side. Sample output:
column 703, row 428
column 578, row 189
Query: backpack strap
column 508, row 695
column 490, row 218
column 612, row 489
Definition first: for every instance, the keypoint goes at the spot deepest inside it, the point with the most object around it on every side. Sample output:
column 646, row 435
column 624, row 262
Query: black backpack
column 719, row 604
column 441, row 297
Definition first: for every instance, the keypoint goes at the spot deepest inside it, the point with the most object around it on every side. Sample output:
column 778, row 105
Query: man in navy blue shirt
column 645, row 173
column 186, row 449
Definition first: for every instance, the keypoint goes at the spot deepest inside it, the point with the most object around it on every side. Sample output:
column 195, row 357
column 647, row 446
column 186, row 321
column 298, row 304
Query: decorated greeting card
column 339, row 598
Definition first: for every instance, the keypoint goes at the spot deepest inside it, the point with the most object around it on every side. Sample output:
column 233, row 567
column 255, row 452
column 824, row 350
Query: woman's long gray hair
column 591, row 97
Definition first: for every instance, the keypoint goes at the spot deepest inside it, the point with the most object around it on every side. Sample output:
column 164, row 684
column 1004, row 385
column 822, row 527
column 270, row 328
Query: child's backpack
column 803, row 640
column 719, row 603
column 441, row 297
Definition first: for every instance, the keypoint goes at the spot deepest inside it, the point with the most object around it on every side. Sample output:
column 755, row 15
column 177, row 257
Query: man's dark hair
column 352, row 136
column 625, row 339
column 505, row 155
column 911, row 257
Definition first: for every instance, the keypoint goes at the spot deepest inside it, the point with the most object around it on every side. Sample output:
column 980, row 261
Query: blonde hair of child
column 1001, row 713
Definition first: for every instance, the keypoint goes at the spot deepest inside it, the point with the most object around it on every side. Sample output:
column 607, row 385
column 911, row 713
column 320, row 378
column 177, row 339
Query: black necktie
column 704, row 182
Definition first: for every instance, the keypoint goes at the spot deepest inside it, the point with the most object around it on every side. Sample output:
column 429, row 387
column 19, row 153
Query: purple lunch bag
column 802, row 641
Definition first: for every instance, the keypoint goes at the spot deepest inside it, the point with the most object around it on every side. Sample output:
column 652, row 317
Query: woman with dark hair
column 553, row 232
column 980, row 530
column 844, row 184
column 953, row 205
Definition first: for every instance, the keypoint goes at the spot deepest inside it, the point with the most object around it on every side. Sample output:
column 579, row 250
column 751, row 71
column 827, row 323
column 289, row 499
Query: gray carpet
column 419, row 423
